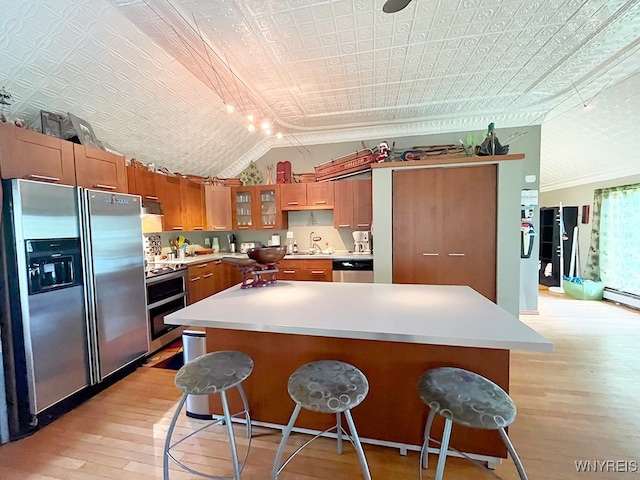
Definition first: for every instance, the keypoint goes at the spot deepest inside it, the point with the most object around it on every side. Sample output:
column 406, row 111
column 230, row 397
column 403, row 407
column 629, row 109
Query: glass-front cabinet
column 243, row 207
column 269, row 212
column 257, row 208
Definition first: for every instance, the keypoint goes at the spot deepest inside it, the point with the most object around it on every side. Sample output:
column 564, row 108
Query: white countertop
column 338, row 255
column 427, row 314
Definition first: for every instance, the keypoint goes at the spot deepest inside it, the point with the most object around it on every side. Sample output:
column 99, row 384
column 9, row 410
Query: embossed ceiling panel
column 154, row 77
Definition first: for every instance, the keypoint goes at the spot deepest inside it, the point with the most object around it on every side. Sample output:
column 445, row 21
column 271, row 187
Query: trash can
column 194, row 345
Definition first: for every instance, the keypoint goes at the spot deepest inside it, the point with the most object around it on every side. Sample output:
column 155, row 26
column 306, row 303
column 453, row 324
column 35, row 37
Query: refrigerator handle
column 89, row 291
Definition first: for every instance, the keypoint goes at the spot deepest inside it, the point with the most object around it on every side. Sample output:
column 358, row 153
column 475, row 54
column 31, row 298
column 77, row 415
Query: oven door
column 165, row 294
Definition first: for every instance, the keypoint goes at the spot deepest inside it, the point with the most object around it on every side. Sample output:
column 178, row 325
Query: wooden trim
column 449, row 160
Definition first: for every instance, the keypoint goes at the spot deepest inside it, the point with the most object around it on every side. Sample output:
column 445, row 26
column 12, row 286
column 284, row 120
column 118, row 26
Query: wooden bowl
column 203, row 251
column 267, row 255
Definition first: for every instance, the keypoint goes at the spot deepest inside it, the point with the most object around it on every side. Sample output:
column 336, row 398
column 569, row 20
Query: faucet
column 314, row 247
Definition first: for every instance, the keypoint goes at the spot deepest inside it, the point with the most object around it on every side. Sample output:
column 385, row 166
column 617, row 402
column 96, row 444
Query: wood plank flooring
column 578, row 403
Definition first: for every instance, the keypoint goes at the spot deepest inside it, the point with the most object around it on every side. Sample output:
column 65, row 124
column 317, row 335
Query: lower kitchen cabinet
column 201, row 282
column 319, row 270
column 210, row 277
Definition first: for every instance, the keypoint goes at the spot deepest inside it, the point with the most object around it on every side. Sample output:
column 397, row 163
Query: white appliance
column 362, row 242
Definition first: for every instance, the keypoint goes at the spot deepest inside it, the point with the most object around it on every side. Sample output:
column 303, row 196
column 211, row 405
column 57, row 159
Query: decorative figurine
column 4, row 100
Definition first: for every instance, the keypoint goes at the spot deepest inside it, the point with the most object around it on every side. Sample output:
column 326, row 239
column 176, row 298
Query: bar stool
column 468, row 399
column 209, row 374
column 326, row 386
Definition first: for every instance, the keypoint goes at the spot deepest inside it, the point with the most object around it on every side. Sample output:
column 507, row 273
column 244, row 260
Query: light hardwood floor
column 578, row 403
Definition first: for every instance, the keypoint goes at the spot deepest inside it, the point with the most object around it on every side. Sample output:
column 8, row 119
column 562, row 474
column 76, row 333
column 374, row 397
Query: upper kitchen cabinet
column 143, row 182
column 100, row 170
column 170, row 195
column 257, row 208
column 445, row 227
column 218, row 207
column 306, row 196
column 353, row 204
column 243, row 204
column 193, row 205
column 35, row 156
column 269, row 214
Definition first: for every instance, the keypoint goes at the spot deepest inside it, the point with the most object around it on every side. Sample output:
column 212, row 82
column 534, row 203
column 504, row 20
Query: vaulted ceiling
column 155, row 78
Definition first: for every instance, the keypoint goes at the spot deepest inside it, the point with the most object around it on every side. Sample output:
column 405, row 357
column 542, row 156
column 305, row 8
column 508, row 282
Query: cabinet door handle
column 198, row 228
column 430, row 254
column 267, row 226
column 289, row 271
column 202, row 265
column 456, row 254
column 243, row 228
column 364, row 225
column 194, row 279
column 220, row 227
column 218, row 262
column 176, row 228
column 317, row 272
column 106, row 187
column 43, row 177
column 293, row 203
column 207, row 275
column 344, row 225
column 320, row 202
column 151, row 197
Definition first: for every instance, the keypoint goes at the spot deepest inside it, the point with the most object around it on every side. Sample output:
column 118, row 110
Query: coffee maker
column 362, row 242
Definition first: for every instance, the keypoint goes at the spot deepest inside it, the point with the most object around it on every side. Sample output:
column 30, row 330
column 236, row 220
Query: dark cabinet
column 552, row 232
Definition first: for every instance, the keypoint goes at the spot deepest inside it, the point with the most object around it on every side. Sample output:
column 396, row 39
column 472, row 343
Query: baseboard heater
column 628, row 299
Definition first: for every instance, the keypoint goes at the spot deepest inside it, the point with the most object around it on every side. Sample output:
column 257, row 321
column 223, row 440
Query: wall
column 511, row 178
column 579, row 196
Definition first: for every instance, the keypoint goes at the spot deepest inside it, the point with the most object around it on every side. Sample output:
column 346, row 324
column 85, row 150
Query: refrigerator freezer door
column 115, row 258
column 45, row 210
column 59, row 344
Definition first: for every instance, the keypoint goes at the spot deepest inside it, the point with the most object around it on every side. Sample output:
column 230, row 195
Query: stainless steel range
column 166, row 293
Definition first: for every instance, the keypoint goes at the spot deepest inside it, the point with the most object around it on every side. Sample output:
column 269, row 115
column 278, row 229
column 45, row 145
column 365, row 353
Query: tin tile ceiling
column 154, row 77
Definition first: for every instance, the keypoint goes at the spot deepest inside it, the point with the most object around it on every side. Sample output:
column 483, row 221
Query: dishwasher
column 353, row 270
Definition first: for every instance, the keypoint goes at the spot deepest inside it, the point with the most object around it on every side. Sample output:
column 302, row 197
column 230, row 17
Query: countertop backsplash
column 302, row 224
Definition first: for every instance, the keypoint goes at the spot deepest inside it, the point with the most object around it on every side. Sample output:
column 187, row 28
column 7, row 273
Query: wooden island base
column 392, row 412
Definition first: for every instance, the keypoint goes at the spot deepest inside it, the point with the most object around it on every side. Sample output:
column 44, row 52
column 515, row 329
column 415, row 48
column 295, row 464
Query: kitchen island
column 392, row 332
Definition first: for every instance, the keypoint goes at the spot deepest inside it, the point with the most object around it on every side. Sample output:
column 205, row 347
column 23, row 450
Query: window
column 617, row 237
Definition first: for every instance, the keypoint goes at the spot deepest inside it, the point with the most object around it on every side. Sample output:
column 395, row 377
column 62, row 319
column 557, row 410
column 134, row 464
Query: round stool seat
column 213, row 373
column 328, row 386
column 466, row 398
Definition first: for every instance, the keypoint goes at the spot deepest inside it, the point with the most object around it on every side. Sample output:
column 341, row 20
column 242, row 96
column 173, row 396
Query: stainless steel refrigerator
column 73, row 296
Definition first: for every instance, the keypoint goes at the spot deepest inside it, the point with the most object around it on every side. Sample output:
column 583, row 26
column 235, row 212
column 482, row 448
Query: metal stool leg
column 514, row 455
column 232, row 440
column 339, row 432
column 245, row 404
column 444, row 448
column 424, row 453
column 357, row 444
column 167, row 442
column 283, row 442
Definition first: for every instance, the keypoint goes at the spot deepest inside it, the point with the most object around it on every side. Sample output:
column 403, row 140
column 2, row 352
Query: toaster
column 245, row 246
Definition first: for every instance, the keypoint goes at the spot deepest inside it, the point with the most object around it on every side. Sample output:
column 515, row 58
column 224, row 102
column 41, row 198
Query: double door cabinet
column 307, row 196
column 353, row 204
column 444, row 228
column 257, row 208
column 36, row 156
